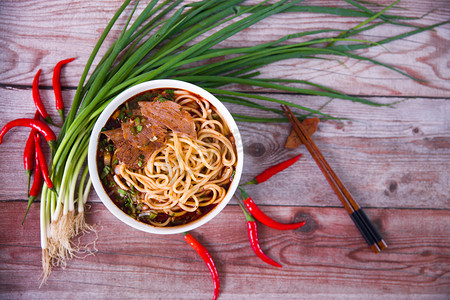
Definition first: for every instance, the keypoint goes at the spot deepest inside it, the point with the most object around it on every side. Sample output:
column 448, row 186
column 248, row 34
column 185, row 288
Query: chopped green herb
column 139, row 128
column 123, row 192
column 170, row 94
column 181, row 108
column 147, row 96
column 106, row 170
column 133, row 130
column 161, row 99
column 115, row 162
column 103, row 144
column 141, row 156
column 110, row 148
column 137, row 121
column 140, row 162
column 121, row 116
column 128, row 202
column 232, row 175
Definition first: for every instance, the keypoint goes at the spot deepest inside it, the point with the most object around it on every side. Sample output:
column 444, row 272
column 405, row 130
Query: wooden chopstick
column 362, row 222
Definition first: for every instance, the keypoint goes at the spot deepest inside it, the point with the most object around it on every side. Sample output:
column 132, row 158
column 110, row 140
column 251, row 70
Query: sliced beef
column 144, row 135
column 132, row 157
column 169, row 114
column 136, row 141
column 116, row 136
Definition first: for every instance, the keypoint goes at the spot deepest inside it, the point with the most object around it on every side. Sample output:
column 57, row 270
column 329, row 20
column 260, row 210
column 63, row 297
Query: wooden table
column 395, row 161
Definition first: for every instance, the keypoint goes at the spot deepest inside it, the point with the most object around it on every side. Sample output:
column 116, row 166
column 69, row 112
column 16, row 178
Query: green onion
column 170, row 94
column 162, row 99
column 123, row 192
column 105, row 172
column 159, row 43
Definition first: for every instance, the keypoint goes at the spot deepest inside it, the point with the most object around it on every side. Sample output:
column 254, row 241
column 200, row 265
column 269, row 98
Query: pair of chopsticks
column 362, row 222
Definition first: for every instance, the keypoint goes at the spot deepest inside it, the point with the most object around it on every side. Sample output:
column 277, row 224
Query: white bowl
column 104, row 117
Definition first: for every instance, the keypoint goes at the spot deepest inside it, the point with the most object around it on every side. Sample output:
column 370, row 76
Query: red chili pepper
column 263, row 218
column 201, row 250
column 40, row 126
column 57, row 86
column 254, row 242
column 29, row 153
column 43, row 164
column 38, row 101
column 37, row 184
column 265, row 175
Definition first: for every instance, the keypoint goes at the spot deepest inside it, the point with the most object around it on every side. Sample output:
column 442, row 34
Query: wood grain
column 394, row 161
column 386, row 157
column 72, row 29
column 325, row 257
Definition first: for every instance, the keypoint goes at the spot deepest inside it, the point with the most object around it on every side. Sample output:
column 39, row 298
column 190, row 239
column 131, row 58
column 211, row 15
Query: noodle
column 185, row 174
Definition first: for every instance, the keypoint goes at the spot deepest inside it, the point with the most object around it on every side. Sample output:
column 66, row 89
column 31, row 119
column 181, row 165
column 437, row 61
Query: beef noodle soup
column 166, row 157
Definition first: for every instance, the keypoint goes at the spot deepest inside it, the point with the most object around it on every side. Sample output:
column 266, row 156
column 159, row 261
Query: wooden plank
column 71, row 30
column 386, row 157
column 394, row 161
column 325, row 258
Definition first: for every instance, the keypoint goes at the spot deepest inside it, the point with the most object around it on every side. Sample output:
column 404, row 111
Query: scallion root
column 46, row 266
column 60, row 245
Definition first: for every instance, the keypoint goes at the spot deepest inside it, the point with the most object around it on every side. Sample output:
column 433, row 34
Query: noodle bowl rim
column 104, row 117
